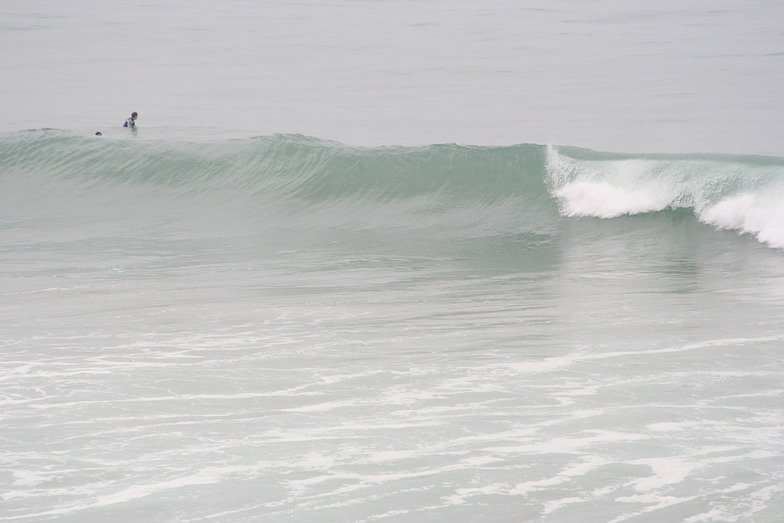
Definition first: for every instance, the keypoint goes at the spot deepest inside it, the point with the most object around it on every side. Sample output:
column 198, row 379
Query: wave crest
column 745, row 194
column 448, row 191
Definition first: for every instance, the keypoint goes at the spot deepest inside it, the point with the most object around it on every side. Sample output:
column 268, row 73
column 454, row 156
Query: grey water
column 278, row 300
column 696, row 76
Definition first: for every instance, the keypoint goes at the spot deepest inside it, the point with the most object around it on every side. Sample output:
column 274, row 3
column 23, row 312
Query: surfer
column 131, row 122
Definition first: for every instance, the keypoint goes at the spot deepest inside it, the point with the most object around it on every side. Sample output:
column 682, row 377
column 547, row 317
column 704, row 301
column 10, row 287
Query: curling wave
column 450, row 190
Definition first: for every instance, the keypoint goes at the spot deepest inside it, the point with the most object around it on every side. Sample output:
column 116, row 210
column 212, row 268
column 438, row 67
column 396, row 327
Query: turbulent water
column 284, row 328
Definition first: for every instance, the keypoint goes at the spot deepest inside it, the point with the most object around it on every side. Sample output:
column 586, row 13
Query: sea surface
column 392, row 261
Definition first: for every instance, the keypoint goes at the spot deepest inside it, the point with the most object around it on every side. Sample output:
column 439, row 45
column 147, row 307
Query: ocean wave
column 743, row 193
column 445, row 189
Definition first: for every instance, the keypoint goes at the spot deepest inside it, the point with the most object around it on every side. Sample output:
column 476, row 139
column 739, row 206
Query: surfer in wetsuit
column 131, row 122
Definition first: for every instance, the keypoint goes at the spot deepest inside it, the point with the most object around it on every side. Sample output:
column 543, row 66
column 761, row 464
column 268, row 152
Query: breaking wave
column 448, row 190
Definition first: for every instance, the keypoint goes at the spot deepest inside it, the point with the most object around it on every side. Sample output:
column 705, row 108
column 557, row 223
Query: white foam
column 581, row 468
column 560, row 362
column 762, row 217
column 322, row 407
column 665, row 472
column 605, row 200
column 737, row 195
column 606, row 189
column 462, row 494
column 206, row 476
column 555, row 505
column 27, row 478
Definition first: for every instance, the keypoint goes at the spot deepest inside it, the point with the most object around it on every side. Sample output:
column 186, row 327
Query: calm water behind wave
column 666, row 77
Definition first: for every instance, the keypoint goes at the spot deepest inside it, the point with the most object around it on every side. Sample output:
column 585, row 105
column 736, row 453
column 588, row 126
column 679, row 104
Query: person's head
column 98, row 133
column 134, row 115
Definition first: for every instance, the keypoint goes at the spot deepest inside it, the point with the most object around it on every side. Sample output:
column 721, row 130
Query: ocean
column 391, row 261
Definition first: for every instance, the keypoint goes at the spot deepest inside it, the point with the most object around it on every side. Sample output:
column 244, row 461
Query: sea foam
column 745, row 194
column 761, row 216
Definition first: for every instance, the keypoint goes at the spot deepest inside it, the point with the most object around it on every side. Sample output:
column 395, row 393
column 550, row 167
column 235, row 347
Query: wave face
column 447, row 193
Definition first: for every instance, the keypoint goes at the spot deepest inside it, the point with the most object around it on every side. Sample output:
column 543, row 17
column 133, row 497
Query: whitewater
column 284, row 328
column 391, row 261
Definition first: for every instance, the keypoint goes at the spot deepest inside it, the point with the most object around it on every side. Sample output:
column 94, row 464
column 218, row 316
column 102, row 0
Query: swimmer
column 131, row 122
